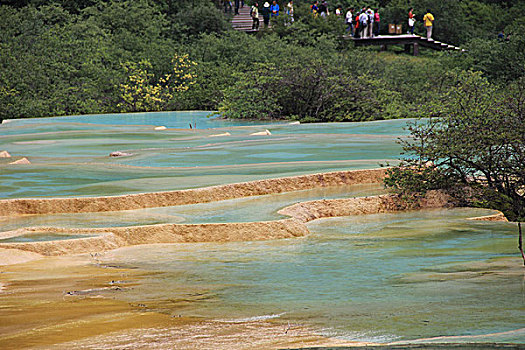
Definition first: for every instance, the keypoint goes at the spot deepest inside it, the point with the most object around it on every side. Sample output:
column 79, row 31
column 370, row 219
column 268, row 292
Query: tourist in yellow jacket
column 428, row 20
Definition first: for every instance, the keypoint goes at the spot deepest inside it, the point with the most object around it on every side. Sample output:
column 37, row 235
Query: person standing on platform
column 370, row 28
column 289, row 10
column 356, row 25
column 315, row 8
column 349, row 19
column 237, row 5
column 428, row 20
column 265, row 12
column 227, row 6
column 411, row 21
column 323, row 9
column 274, row 9
column 363, row 24
column 377, row 20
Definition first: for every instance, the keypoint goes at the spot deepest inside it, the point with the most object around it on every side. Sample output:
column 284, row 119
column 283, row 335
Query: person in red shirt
column 377, row 21
column 356, row 33
column 411, row 21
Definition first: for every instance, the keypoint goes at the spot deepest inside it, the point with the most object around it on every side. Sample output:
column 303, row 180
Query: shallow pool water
column 70, row 155
column 384, row 277
column 381, row 277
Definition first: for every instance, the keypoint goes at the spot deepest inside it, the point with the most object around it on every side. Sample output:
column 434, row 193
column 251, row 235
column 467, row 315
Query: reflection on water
column 377, row 277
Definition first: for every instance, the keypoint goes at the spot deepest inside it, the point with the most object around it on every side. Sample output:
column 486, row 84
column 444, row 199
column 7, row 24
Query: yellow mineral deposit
column 495, row 217
column 113, row 237
column 191, row 196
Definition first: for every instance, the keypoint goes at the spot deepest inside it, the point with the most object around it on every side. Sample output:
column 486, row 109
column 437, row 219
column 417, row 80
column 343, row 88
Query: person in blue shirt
column 274, row 9
column 315, row 8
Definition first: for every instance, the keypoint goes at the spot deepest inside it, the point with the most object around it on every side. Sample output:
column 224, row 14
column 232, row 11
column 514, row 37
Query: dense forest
column 93, row 56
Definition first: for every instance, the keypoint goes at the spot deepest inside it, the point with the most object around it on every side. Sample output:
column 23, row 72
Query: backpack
column 364, row 21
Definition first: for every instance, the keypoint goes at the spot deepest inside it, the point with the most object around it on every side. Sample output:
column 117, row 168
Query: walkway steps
column 243, row 21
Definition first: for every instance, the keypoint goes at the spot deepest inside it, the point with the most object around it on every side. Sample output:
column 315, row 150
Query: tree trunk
column 520, row 242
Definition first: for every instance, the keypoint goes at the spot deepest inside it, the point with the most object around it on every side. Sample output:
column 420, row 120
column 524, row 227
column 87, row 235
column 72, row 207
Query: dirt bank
column 495, row 217
column 115, row 237
column 102, row 239
column 308, row 211
column 10, row 207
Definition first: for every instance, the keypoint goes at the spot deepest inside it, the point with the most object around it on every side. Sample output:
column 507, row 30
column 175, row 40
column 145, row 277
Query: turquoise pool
column 70, row 155
column 380, row 278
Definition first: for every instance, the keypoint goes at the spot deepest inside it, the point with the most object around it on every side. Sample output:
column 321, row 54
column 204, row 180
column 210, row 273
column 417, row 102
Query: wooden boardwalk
column 243, row 22
column 409, row 40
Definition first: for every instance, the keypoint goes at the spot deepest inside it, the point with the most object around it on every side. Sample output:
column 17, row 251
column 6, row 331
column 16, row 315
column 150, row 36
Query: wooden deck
column 410, row 41
column 243, row 22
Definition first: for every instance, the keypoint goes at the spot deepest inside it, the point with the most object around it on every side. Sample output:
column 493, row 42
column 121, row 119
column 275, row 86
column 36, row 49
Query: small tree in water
column 473, row 147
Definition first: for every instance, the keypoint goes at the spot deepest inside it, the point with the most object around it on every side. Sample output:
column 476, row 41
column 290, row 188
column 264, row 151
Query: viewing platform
column 410, row 41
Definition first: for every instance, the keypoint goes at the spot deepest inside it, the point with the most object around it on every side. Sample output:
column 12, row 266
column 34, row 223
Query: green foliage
column 475, row 147
column 142, row 92
column 253, row 96
column 67, row 57
column 195, row 19
column 306, row 89
column 501, row 61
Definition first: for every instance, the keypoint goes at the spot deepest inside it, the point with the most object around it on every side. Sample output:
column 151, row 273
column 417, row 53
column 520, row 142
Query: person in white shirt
column 363, row 24
column 349, row 20
column 289, row 10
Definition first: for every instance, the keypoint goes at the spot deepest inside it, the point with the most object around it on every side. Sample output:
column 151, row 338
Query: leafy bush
column 307, row 89
column 477, row 142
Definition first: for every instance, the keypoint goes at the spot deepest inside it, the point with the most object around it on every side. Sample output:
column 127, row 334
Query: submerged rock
column 4, row 154
column 223, row 134
column 494, row 217
column 120, row 154
column 261, row 133
column 21, row 161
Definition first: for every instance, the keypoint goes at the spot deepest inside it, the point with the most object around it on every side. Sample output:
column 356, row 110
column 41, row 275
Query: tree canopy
column 474, row 141
column 74, row 57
